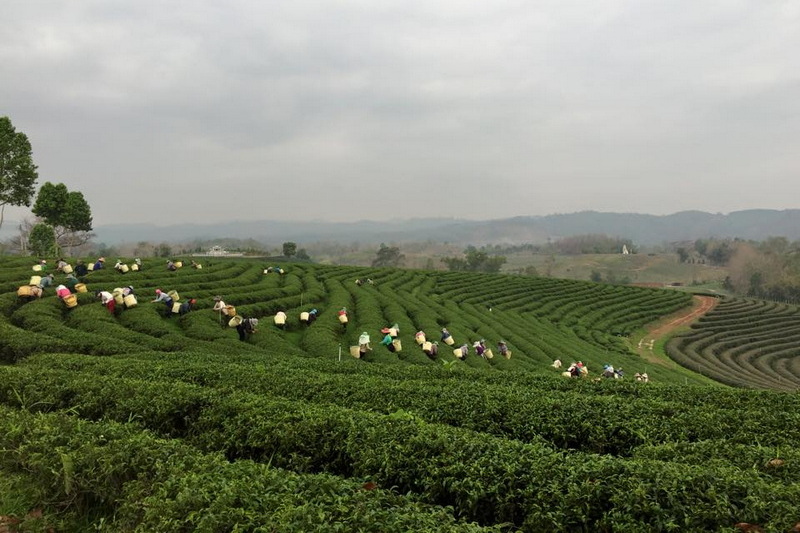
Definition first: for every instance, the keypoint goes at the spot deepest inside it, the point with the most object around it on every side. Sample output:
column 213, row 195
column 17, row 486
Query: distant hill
column 756, row 224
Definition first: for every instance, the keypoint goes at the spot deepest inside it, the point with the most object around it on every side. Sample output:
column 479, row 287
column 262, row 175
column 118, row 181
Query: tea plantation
column 145, row 422
column 745, row 343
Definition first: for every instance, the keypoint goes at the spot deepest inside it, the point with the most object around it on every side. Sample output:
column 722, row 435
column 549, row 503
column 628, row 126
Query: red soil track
column 702, row 305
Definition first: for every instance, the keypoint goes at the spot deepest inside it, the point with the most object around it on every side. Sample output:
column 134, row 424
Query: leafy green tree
column 67, row 212
column 42, row 240
column 303, row 255
column 388, row 256
column 701, row 246
column 163, row 250
column 596, row 276
column 455, row 264
column 289, row 249
column 721, row 253
column 683, row 254
column 17, row 172
column 107, row 250
column 475, row 261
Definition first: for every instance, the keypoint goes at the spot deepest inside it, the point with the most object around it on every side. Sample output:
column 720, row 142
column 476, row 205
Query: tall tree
column 388, row 256
column 42, row 240
column 17, row 172
column 289, row 249
column 67, row 212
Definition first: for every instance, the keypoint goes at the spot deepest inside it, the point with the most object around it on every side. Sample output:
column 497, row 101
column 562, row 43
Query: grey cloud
column 338, row 108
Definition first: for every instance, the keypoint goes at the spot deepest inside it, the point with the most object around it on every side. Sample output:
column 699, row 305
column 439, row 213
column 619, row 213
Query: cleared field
column 636, row 268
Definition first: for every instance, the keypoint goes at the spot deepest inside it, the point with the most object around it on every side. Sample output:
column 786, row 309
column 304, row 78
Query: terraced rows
column 540, row 319
column 173, row 424
column 747, row 343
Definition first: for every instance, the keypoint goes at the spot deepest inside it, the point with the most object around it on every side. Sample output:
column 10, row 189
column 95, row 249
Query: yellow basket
column 35, row 280
column 398, row 346
column 343, row 319
column 135, row 268
column 37, row 268
column 119, row 299
column 123, row 268
column 457, row 352
column 81, row 287
column 449, row 341
column 178, row 264
column 25, row 290
column 427, row 346
column 90, row 267
column 67, row 269
column 304, row 316
column 176, row 307
column 70, row 301
column 174, row 295
column 420, row 339
column 280, row 320
column 235, row 321
column 508, row 354
column 488, row 354
column 230, row 310
column 130, row 301
column 355, row 351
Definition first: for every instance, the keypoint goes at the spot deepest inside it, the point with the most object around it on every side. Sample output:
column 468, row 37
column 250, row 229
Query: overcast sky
column 200, row 111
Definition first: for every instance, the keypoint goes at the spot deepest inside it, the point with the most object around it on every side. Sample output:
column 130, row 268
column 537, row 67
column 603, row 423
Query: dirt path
column 664, row 328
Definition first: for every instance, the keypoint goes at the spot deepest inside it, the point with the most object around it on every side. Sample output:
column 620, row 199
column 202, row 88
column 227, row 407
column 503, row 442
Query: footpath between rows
column 667, row 326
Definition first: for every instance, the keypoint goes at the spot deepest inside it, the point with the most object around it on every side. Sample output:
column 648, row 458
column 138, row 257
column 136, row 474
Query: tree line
column 768, row 269
column 63, row 217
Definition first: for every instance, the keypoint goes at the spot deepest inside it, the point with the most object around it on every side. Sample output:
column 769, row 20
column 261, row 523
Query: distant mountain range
column 756, row 224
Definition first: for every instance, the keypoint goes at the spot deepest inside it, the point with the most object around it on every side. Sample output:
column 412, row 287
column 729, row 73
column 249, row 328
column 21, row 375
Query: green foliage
column 744, row 343
column 131, row 480
column 67, row 212
column 42, row 240
column 592, row 244
column 77, row 215
column 388, row 256
column 142, row 421
column 475, row 261
column 289, row 249
column 17, row 172
column 50, row 202
column 163, row 250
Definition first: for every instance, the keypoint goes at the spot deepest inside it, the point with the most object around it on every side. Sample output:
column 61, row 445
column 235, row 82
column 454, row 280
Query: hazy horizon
column 352, row 110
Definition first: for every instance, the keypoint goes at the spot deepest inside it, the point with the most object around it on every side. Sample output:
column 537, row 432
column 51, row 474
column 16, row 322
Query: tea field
column 141, row 421
column 744, row 343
